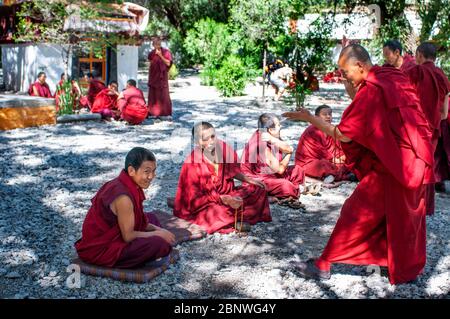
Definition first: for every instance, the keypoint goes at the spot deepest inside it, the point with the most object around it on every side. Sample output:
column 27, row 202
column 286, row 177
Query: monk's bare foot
column 308, row 269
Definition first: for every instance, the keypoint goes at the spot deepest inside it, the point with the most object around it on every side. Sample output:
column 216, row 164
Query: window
column 88, row 62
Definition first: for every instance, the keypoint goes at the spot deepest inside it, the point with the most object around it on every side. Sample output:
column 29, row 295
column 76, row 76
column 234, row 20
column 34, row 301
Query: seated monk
column 116, row 232
column 319, row 154
column 105, row 102
column 40, row 87
column 131, row 104
column 266, row 157
column 95, row 86
column 207, row 195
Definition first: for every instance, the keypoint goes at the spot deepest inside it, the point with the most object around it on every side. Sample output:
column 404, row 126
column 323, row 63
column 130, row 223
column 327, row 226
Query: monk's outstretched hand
column 300, row 115
column 164, row 234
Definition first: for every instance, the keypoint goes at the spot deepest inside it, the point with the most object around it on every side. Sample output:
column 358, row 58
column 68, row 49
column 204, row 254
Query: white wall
column 21, row 64
column 127, row 64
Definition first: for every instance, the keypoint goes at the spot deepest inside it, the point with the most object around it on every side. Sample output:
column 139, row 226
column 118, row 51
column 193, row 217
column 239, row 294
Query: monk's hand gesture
column 164, row 234
column 300, row 115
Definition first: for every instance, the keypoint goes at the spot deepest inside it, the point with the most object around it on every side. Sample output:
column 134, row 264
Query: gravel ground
column 50, row 173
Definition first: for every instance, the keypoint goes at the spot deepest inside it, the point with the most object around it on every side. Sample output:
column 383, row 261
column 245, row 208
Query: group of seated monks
column 128, row 105
column 388, row 134
column 117, row 232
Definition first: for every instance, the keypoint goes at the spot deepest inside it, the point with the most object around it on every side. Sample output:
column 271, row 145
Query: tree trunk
column 264, row 73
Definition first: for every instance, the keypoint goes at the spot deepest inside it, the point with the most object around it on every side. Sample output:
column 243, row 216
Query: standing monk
column 116, row 231
column 432, row 87
column 386, row 136
column 206, row 193
column 40, row 87
column 105, row 102
column 266, row 157
column 95, row 86
column 392, row 52
column 159, row 103
column 319, row 154
column 131, row 104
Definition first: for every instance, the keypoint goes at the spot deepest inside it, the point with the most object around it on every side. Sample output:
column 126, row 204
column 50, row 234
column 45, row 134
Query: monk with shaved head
column 387, row 142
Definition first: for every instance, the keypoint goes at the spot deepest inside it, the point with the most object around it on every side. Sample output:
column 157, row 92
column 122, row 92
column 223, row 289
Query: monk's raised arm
column 328, row 128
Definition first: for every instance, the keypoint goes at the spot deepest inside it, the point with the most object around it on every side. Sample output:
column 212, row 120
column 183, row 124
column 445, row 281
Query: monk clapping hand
column 300, row 115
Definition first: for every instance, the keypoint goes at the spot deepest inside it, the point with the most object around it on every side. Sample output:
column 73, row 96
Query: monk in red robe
column 95, row 86
column 432, row 87
column 159, row 103
column 105, row 102
column 319, row 154
column 207, row 195
column 266, row 157
column 40, row 87
column 131, row 104
column 392, row 52
column 116, row 231
column 385, row 135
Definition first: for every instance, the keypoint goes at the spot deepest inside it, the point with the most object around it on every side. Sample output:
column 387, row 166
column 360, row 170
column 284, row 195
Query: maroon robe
column 253, row 164
column 43, row 90
column 132, row 106
column 383, row 221
column 408, row 62
column 199, row 188
column 104, row 101
column 316, row 153
column 432, row 86
column 159, row 103
column 95, row 86
column 102, row 243
column 442, row 154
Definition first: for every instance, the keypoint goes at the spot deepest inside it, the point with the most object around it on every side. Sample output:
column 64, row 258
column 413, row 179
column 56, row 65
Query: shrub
column 231, row 77
column 208, row 76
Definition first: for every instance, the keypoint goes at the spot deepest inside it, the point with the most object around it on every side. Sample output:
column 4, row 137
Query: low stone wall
column 20, row 111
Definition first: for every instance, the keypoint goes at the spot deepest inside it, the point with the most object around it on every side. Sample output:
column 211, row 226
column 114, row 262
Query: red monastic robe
column 43, row 90
column 383, row 221
column 101, row 242
column 408, row 62
column 159, row 103
column 95, row 86
column 315, row 153
column 199, row 189
column 104, row 101
column 253, row 164
column 132, row 106
column 432, row 86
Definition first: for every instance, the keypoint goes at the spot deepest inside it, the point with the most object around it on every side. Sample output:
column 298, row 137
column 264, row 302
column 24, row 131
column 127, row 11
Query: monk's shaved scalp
column 320, row 108
column 428, row 50
column 355, row 52
column 266, row 121
column 138, row 155
column 199, row 127
column 131, row 82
